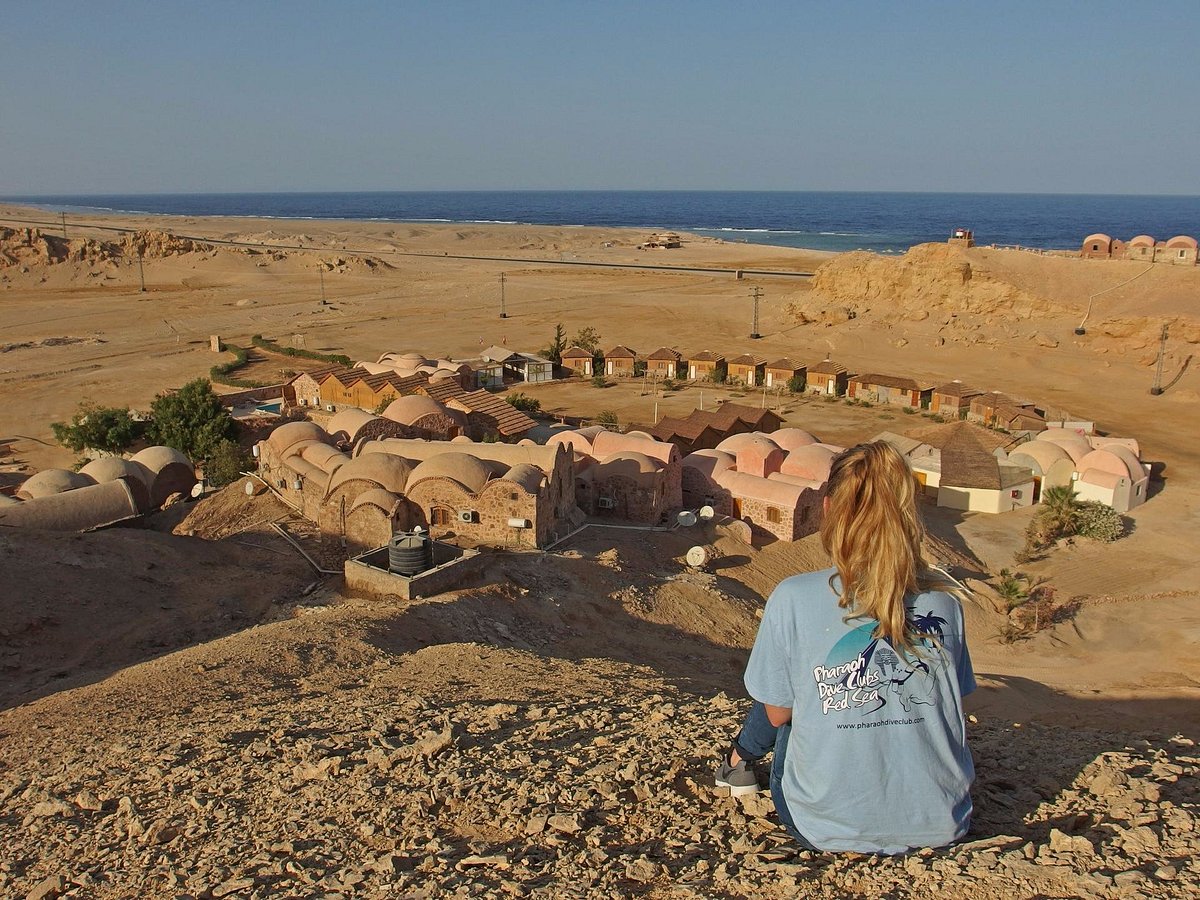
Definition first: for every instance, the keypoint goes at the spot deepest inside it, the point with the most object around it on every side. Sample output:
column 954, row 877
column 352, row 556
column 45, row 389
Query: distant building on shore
column 962, row 237
column 1180, row 250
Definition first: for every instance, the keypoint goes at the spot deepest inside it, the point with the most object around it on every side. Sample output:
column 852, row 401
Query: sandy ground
column 1126, row 665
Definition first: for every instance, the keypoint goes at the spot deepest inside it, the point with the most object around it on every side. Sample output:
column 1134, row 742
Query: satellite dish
column 697, row 557
column 197, row 489
column 686, row 518
column 249, row 488
column 707, row 512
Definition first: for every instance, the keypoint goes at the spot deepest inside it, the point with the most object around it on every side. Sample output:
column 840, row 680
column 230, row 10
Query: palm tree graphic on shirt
column 909, row 681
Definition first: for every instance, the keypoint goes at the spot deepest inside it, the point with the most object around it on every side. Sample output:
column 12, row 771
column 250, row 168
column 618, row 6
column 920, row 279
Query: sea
column 817, row 220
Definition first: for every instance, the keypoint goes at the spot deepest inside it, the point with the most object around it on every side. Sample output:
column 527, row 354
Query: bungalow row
column 666, row 362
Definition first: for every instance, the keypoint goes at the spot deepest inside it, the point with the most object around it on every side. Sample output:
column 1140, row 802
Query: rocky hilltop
column 979, row 296
column 35, row 247
column 548, row 731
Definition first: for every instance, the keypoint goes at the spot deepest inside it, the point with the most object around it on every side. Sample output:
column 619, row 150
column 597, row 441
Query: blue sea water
column 883, row 222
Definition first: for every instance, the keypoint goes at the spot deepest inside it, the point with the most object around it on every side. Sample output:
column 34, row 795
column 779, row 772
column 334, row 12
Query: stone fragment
column 568, row 824
column 47, row 888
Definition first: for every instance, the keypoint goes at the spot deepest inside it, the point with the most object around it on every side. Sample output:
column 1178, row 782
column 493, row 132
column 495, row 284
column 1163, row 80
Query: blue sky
column 159, row 97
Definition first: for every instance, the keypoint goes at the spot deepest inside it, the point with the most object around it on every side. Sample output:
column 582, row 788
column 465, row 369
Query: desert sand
column 195, row 716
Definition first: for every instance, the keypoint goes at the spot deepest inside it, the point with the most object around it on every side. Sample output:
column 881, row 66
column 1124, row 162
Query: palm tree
column 1059, row 510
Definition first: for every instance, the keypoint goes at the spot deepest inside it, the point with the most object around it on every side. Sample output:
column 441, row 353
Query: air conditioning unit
column 466, row 515
column 329, row 407
column 606, row 503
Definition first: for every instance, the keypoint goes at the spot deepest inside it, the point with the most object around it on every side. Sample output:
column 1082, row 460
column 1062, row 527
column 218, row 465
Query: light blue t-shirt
column 877, row 760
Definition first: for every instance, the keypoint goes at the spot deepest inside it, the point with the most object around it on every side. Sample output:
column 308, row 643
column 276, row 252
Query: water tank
column 409, row 554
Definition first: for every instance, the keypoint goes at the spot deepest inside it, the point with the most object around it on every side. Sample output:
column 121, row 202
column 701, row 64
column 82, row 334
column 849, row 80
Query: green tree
column 587, row 339
column 796, row 384
column 599, row 381
column 383, row 404
column 555, row 351
column 226, row 463
column 606, row 417
column 109, row 429
column 524, row 402
column 192, row 420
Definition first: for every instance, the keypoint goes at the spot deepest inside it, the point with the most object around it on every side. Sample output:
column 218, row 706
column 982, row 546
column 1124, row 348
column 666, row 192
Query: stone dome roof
column 529, row 476
column 1142, row 240
column 811, row 462
column 1074, row 443
column 791, row 438
column 467, row 470
column 710, row 462
column 1182, row 241
column 348, row 421
column 386, row 470
column 413, row 407
column 629, row 463
column 461, row 439
column 291, row 433
column 110, row 468
column 158, row 458
column 385, row 500
column 1112, row 460
column 1039, row 455
column 736, row 442
column 323, row 456
column 53, row 481
column 1102, row 238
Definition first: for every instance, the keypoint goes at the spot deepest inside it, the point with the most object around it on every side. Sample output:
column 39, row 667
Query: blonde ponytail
column 873, row 533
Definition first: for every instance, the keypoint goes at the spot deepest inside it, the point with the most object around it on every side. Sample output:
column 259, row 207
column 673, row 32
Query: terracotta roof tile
column 665, row 353
column 620, row 352
column 785, row 365
column 706, row 356
column 827, row 367
column 747, row 359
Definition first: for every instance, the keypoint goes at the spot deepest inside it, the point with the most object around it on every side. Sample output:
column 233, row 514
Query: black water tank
column 409, row 554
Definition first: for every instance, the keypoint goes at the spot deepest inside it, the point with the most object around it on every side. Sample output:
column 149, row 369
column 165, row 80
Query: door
column 610, row 367
column 692, row 376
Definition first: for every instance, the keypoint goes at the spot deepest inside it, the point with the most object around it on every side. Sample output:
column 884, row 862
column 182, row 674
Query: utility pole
column 503, row 313
column 141, row 272
column 321, row 272
column 63, row 216
column 756, row 293
column 1162, row 350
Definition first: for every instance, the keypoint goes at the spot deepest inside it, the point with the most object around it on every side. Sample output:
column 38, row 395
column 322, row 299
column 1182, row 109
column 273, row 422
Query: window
column 439, row 515
column 1182, row 254
column 772, row 515
column 512, row 495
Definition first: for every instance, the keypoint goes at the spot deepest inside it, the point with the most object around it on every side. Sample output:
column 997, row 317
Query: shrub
column 1098, row 522
column 639, row 368
column 192, row 420
column 383, row 404
column 599, row 381
column 606, row 417
column 668, row 385
column 524, row 402
column 259, row 341
column 220, row 373
column 226, row 463
column 105, row 428
column 796, row 384
column 908, row 410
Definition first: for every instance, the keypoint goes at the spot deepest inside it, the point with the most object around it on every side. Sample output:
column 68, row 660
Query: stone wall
column 367, row 575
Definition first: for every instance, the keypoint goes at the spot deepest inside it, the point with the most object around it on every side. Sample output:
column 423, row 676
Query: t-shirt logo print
column 863, row 673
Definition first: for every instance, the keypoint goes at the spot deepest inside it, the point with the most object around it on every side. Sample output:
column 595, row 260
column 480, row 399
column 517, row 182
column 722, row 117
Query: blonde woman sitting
column 858, row 674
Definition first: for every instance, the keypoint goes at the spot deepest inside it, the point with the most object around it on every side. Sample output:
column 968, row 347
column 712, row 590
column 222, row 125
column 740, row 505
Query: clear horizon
column 928, row 97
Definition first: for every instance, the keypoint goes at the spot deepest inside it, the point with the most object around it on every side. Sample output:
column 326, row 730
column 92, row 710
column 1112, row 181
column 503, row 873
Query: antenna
column 756, row 293
column 1156, row 389
column 503, row 314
